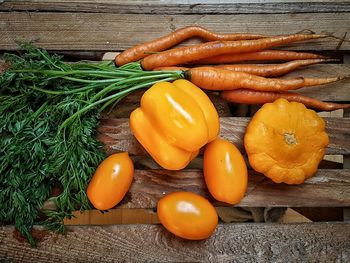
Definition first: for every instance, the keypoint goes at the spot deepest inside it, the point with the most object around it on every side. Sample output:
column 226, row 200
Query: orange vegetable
column 269, row 70
column 264, row 55
column 181, row 55
column 272, row 70
column 174, row 121
column 187, row 215
column 111, row 181
column 140, row 51
column 225, row 171
column 247, row 96
column 213, row 78
column 286, row 141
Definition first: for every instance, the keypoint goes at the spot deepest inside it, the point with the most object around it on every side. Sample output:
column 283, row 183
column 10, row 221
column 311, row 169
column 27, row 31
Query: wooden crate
column 87, row 29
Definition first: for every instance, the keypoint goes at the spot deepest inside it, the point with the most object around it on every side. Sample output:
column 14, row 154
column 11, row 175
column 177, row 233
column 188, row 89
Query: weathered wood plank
column 243, row 242
column 149, row 216
column 328, row 188
column 116, row 134
column 113, row 217
column 177, row 7
column 115, row 32
column 292, row 216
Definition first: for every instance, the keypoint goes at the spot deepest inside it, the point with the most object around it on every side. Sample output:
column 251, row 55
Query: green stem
column 49, row 60
column 88, row 81
column 118, row 73
column 56, row 92
column 111, row 97
column 102, row 93
column 114, row 101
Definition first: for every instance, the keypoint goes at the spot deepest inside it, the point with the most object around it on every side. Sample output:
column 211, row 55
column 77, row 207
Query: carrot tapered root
column 269, row 70
column 211, row 78
column 265, row 55
column 247, row 96
column 181, row 55
column 272, row 70
column 172, row 39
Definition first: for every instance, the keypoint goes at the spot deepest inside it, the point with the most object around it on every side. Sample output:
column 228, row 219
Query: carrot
column 140, row 51
column 211, row 78
column 272, row 70
column 170, row 68
column 187, row 54
column 265, row 55
column 260, row 97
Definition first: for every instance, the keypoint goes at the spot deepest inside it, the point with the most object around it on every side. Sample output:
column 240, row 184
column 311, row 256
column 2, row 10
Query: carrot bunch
column 239, row 83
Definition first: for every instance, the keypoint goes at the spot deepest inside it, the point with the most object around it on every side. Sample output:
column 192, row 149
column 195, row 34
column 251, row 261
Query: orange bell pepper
column 174, row 121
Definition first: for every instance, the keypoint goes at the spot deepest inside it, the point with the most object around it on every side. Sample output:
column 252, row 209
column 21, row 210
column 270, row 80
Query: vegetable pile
column 234, row 48
column 49, row 111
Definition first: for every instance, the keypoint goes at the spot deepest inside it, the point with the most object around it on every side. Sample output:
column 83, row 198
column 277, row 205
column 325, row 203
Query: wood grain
column 116, row 135
column 292, row 216
column 328, row 188
column 113, row 216
column 115, row 32
column 242, row 242
column 177, row 7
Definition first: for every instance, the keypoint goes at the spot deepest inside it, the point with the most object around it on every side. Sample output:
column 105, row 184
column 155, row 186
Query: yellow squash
column 174, row 121
column 286, row 141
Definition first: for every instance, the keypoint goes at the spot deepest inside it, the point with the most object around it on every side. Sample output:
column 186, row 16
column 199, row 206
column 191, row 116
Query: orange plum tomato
column 111, row 181
column 225, row 171
column 187, row 215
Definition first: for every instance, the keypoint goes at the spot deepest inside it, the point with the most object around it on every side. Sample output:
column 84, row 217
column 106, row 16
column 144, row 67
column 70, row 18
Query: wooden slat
column 177, row 7
column 149, row 216
column 292, row 216
column 346, row 164
column 114, row 216
column 114, row 32
column 116, row 134
column 328, row 188
column 244, row 242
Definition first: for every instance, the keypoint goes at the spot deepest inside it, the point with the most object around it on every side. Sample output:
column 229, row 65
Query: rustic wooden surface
column 328, row 188
column 116, row 135
column 83, row 29
column 115, row 32
column 316, row 242
column 178, row 6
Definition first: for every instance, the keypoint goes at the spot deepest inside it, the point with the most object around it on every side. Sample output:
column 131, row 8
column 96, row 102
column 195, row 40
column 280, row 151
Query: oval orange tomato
column 187, row 215
column 225, row 171
column 111, row 181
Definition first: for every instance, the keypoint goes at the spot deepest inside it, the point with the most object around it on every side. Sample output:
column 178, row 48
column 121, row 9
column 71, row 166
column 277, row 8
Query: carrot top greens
column 49, row 113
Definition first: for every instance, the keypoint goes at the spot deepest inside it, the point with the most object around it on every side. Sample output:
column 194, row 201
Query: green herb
column 49, row 113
